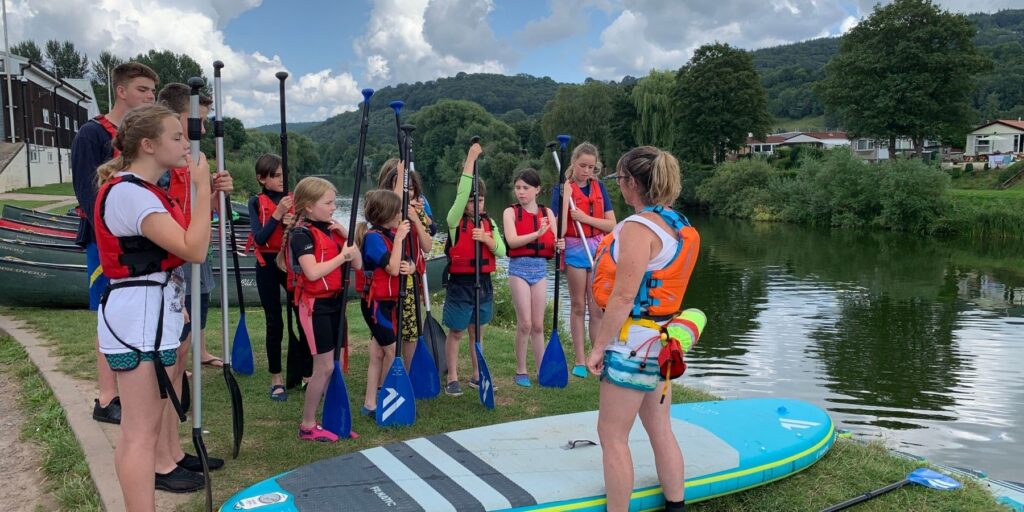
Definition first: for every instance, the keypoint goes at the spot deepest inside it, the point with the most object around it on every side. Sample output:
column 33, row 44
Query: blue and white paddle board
column 728, row 446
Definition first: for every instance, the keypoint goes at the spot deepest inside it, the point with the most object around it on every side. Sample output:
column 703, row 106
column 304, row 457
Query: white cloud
column 567, row 18
column 412, row 40
column 192, row 27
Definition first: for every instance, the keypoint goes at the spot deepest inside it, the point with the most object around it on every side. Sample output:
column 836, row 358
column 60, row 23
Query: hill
column 498, row 94
column 788, row 71
column 299, row 127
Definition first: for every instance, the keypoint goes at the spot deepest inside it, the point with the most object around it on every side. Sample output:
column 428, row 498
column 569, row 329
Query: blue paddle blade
column 426, row 383
column 486, row 384
column 553, row 371
column 933, row 480
column 241, row 350
column 337, row 415
column 396, row 405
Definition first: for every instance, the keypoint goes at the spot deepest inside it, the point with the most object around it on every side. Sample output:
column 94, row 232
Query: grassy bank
column 270, row 446
column 988, row 214
column 67, row 475
column 53, row 189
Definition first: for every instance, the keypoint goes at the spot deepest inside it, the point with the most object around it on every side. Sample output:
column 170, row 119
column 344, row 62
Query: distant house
column 770, row 143
column 1002, row 136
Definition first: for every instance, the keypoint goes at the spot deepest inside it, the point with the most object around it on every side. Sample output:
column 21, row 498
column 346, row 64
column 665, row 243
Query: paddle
column 426, row 381
column 433, row 333
column 195, row 131
column 300, row 361
column 237, row 412
column 337, row 415
column 486, row 388
column 553, row 371
column 921, row 476
column 396, row 403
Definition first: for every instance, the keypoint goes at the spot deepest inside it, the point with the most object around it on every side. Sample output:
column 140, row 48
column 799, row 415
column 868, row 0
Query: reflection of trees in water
column 732, row 298
column 897, row 353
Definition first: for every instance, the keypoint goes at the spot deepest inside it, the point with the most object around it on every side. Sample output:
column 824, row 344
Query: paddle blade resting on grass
column 433, row 333
column 337, row 414
column 241, row 349
column 237, row 411
column 553, row 371
column 426, row 382
column 396, row 405
column 920, row 476
column 486, row 384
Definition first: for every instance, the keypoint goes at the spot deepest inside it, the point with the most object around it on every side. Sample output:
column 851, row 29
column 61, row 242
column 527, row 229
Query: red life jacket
column 132, row 256
column 325, row 247
column 265, row 210
column 384, row 286
column 592, row 205
column 462, row 253
column 362, row 283
column 180, row 190
column 111, row 129
column 526, row 223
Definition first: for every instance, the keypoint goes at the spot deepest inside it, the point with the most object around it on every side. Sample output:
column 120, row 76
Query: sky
column 334, row 48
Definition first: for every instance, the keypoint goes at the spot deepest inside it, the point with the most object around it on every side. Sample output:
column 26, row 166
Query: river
column 912, row 341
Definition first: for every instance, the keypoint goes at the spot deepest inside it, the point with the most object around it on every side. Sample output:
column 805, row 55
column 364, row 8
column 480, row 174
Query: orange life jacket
column 526, row 223
column 462, row 253
column 661, row 291
column 133, row 256
column 180, row 190
column 592, row 205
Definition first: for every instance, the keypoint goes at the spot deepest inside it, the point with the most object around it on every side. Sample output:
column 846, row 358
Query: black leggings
column 270, row 280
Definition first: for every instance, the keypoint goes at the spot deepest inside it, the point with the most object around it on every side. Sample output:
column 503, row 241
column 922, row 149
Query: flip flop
column 214, row 362
column 279, row 397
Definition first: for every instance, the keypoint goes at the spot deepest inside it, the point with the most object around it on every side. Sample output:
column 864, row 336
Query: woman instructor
column 640, row 286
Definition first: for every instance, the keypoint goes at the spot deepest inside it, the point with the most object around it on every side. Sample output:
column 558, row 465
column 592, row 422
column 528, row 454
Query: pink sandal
column 318, row 434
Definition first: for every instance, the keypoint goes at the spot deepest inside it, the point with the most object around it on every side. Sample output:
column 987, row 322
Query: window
column 50, row 156
column 76, row 125
column 1018, row 143
column 34, row 153
column 982, row 146
column 67, row 123
column 865, row 144
column 46, row 116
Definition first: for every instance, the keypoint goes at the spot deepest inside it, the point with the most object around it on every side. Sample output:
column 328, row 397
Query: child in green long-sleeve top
column 458, row 313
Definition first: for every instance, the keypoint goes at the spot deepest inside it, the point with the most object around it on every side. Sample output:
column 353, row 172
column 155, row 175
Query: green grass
column 67, row 475
column 810, row 123
column 270, row 445
column 988, row 214
column 25, row 204
column 53, row 189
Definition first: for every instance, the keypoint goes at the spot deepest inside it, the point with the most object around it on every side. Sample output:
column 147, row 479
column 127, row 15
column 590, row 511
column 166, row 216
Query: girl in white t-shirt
column 143, row 241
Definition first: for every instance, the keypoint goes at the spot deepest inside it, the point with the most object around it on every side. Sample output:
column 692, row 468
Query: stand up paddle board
column 553, row 463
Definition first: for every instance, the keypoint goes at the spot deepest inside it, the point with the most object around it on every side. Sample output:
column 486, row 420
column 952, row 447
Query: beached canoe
column 31, row 283
column 68, row 253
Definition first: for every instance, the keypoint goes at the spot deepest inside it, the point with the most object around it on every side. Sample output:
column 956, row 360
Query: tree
column 719, row 100
column 905, row 71
column 28, row 49
column 585, row 112
column 65, row 60
column 442, row 137
column 652, row 99
column 101, row 68
column 172, row 67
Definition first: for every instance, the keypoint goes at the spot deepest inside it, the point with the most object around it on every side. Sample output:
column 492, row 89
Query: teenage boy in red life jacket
column 133, row 85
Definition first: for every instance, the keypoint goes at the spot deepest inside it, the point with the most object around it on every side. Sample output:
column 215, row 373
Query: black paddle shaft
column 364, row 125
column 406, row 247
column 282, row 76
column 867, row 496
column 477, row 247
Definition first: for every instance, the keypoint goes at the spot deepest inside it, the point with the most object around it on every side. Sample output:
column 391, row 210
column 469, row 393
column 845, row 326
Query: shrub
column 737, row 188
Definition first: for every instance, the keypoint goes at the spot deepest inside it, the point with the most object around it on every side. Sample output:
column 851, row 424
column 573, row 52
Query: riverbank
column 270, row 445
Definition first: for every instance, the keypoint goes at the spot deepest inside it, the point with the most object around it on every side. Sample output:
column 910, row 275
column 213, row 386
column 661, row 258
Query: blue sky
column 334, row 48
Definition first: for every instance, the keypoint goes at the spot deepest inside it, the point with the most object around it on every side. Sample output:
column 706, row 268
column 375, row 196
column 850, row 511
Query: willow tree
column 652, row 99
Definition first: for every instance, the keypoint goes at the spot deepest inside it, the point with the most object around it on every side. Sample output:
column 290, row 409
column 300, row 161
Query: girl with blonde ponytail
column 143, row 239
column 313, row 250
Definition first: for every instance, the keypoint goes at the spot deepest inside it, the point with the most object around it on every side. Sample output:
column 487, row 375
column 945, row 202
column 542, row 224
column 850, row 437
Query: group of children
column 143, row 224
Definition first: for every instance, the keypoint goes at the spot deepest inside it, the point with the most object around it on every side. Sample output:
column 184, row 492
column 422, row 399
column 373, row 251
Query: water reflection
column 915, row 341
